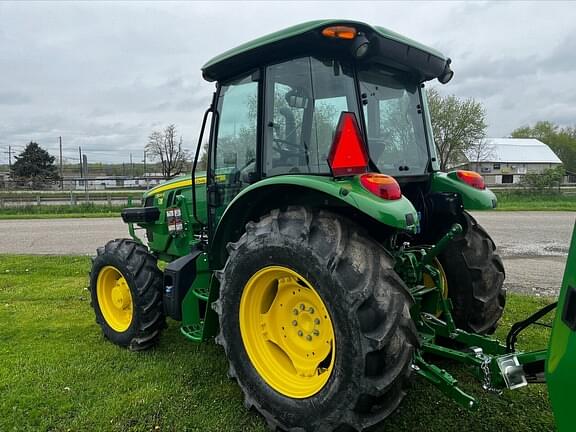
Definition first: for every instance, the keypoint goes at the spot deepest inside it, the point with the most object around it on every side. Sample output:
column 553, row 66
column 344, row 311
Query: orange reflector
column 348, row 155
column 381, row 185
column 471, row 178
column 340, row 32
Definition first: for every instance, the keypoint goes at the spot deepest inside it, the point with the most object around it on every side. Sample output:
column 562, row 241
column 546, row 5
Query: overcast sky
column 104, row 75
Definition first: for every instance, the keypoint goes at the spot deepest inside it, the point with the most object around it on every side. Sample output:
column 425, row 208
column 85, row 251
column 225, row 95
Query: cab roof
column 386, row 47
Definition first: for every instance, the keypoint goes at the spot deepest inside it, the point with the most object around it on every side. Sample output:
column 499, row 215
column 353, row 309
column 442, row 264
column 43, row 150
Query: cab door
column 561, row 363
column 233, row 161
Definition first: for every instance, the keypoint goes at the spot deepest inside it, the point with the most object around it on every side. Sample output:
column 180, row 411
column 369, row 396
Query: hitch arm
column 439, row 247
column 445, row 382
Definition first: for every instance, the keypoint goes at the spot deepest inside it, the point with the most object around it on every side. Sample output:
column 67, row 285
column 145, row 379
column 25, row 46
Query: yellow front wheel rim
column 114, row 298
column 287, row 332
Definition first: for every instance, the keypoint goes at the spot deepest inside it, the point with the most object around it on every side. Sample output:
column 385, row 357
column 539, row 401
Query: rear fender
column 473, row 199
column 312, row 191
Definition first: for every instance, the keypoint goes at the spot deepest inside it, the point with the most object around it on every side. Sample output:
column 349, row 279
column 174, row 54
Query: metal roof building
column 505, row 160
column 519, row 150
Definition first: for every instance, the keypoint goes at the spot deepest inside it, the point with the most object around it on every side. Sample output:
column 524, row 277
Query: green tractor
column 321, row 246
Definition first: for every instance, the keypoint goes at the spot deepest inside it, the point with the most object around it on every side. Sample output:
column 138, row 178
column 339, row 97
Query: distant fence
column 84, row 184
column 94, row 193
column 28, row 198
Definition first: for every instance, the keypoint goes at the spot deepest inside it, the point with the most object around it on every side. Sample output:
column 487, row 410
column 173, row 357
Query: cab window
column 234, row 159
column 304, row 100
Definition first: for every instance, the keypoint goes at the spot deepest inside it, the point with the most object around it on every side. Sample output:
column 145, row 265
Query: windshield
column 394, row 123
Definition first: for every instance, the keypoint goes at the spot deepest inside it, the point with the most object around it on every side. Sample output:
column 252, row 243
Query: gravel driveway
column 534, row 245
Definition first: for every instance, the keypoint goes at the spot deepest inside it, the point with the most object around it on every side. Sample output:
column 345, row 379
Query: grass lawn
column 58, row 373
column 526, row 201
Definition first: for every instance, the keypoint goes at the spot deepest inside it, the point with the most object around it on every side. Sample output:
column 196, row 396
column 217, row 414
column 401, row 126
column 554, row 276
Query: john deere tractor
column 321, row 247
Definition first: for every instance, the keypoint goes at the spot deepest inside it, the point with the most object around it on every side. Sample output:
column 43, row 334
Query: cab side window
column 234, row 165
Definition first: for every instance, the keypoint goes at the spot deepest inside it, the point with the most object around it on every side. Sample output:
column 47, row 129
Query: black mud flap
column 178, row 278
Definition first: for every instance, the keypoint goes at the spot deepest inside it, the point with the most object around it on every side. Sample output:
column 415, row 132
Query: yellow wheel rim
column 287, row 332
column 114, row 298
column 429, row 282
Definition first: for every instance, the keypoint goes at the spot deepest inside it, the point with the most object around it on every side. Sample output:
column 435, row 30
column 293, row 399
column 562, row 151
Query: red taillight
column 471, row 178
column 381, row 185
column 348, row 155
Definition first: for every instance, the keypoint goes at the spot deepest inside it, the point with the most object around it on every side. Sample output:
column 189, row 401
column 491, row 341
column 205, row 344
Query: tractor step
column 202, row 293
column 193, row 332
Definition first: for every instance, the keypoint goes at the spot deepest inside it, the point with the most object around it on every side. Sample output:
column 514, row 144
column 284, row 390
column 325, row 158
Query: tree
column 480, row 151
column 546, row 181
column 34, row 166
column 163, row 146
column 458, row 125
column 562, row 141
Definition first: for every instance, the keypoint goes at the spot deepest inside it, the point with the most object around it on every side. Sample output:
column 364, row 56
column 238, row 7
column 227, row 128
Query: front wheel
column 126, row 290
column 315, row 322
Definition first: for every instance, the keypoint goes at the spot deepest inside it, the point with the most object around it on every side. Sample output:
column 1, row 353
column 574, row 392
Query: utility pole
column 144, row 173
column 131, row 166
column 10, row 157
column 61, row 169
column 85, row 165
column 81, row 170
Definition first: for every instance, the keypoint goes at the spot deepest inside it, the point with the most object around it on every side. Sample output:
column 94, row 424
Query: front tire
column 366, row 350
column 126, row 290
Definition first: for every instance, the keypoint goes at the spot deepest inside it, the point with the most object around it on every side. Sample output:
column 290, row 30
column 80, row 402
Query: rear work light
column 471, row 178
column 348, row 154
column 339, row 32
column 381, row 185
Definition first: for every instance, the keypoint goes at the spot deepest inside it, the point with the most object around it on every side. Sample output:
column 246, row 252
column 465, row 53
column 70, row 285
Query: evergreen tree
column 34, row 166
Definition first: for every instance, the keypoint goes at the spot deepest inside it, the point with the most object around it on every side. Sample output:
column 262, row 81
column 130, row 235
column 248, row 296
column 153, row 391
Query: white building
column 506, row 160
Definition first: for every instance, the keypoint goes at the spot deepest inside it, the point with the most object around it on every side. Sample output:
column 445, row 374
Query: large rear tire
column 322, row 275
column 126, row 290
column 475, row 275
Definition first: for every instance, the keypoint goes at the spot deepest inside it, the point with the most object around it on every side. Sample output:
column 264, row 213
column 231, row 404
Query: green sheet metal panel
column 561, row 364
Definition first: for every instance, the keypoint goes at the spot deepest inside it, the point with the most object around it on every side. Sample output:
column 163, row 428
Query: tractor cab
column 280, row 99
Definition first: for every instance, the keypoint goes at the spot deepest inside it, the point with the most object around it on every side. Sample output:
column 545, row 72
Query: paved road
column 59, row 236
column 534, row 245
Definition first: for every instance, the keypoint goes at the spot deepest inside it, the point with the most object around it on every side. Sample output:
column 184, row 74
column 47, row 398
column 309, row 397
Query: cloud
column 13, row 98
column 104, row 75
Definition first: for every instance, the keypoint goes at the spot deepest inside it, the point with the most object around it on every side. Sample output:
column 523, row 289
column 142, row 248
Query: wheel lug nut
column 300, row 333
column 311, row 310
column 317, row 321
column 295, row 311
column 302, row 307
column 316, row 333
column 308, row 338
column 294, row 323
